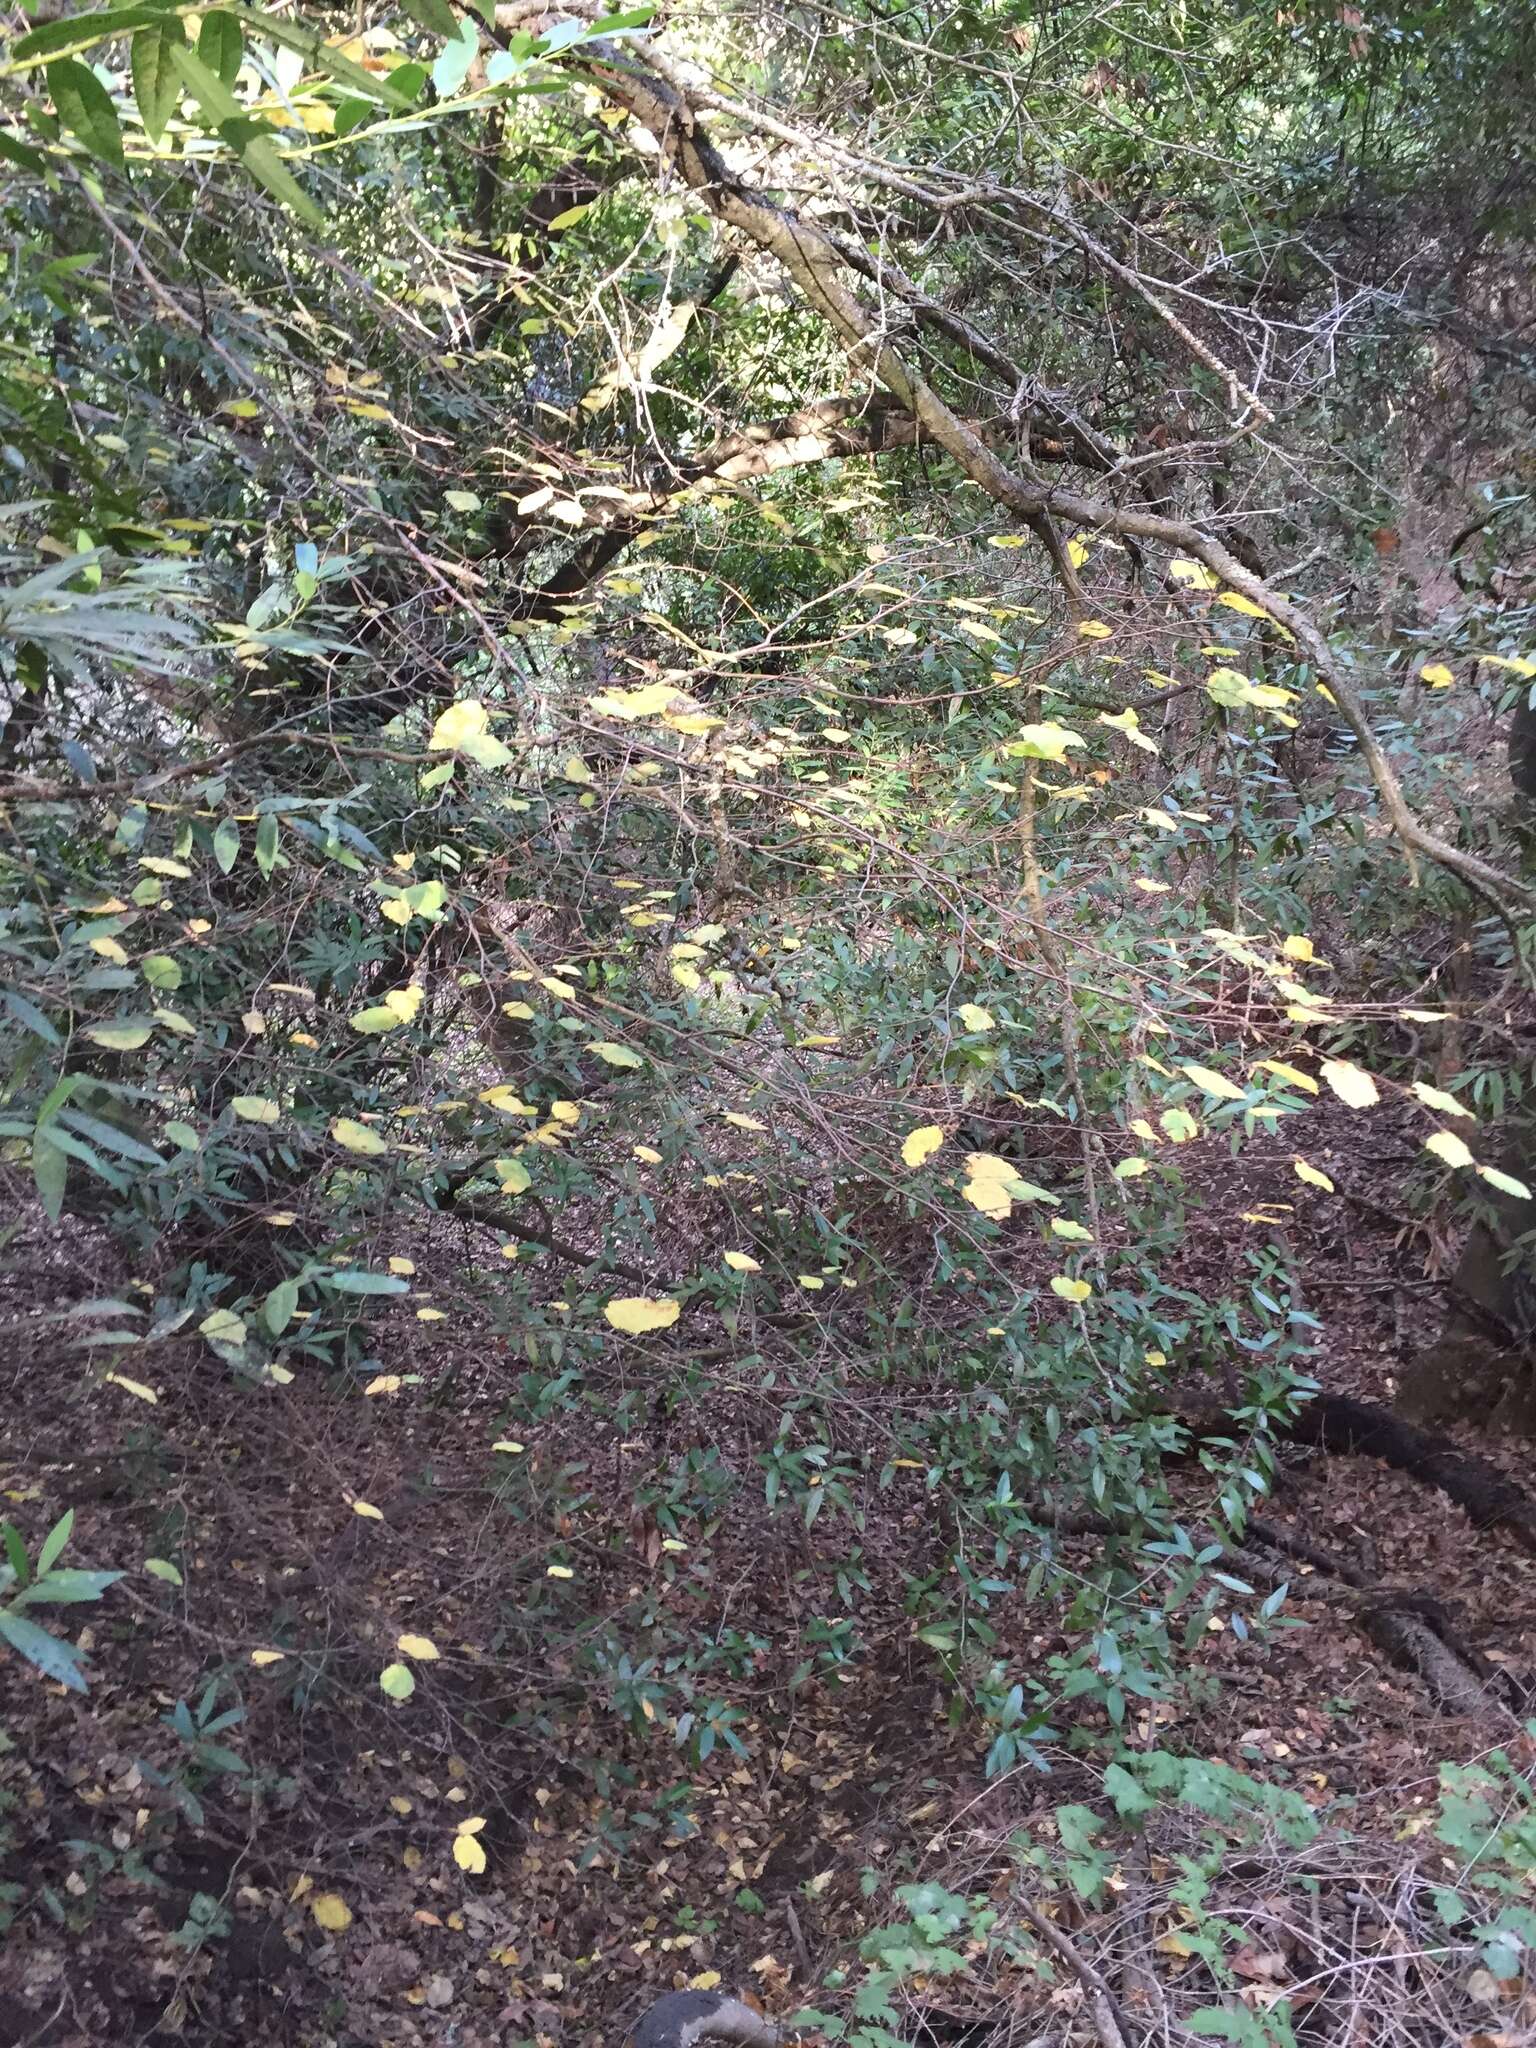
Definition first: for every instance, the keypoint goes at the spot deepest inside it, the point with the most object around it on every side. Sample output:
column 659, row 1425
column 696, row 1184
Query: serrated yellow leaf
column 1069, row 1289
column 1350, row 1083
column 1447, row 1146
column 1193, row 574
column 706, row 1980
column 1213, row 1083
column 975, row 1018
column 1436, row 1098
column 635, row 1314
column 355, row 1137
column 1312, row 1175
column 468, row 1854
column 921, row 1144
column 137, row 1387
column 1294, row 1075
column 1437, row 675
column 331, row 1912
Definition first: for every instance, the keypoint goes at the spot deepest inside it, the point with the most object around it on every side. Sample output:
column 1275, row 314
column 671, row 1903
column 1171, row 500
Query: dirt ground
column 341, row 1912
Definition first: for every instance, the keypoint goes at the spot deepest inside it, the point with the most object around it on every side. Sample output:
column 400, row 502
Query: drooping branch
column 815, row 262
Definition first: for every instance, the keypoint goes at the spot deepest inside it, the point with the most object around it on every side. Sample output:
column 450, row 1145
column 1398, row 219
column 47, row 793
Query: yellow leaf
column 135, row 1387
column 1436, row 1098
column 431, row 1315
column 1297, row 947
column 1045, row 742
column 1179, row 1126
column 355, row 1137
column 402, row 1265
column 1505, row 1182
column 1130, row 1169
column 921, row 1144
column 367, row 1510
column 255, row 1109
column 1063, row 1226
column 507, row 1444
column 742, row 1123
column 707, row 1980
column 1350, row 1083
column 506, row 1099
column 468, row 1854
column 1213, row 1083
column 648, row 1153
column 1447, row 1146
column 331, row 1912
column 1069, row 1289
column 1437, row 675
column 421, row 1647
column 1294, row 1075
column 262, row 1658
column 635, row 1314
column 558, row 1571
column 384, row 1383
column 649, row 701
column 1152, row 888
column 811, row 1282
column 1095, row 629
column 1312, row 1175
column 740, row 1262
column 1194, row 574
column 975, row 1018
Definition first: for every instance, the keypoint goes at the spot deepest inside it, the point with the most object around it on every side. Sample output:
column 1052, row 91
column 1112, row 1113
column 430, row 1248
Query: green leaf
column 50, row 1175
column 277, row 1310
column 85, row 108
column 354, row 1280
column 125, row 1037
column 266, row 844
column 398, row 1681
column 162, row 1568
column 54, row 1542
column 55, row 1658
column 223, row 112
column 221, row 46
column 455, row 58
column 156, row 86
column 324, row 56
column 160, row 970
column 435, row 15
column 76, row 32
column 68, row 1588
column 226, row 844
column 615, row 1055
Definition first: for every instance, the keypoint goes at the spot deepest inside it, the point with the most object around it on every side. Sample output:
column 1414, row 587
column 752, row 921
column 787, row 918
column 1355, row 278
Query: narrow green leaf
column 434, row 15
column 266, row 844
column 50, row 1174
column 280, row 1305
column 223, row 112
column 221, row 46
column 85, row 108
column 156, row 85
column 226, row 844
column 77, row 32
column 55, row 1659
column 54, row 1542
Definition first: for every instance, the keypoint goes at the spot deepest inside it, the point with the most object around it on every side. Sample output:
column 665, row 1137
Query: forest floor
column 339, row 1912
